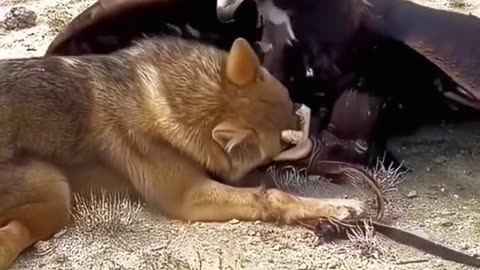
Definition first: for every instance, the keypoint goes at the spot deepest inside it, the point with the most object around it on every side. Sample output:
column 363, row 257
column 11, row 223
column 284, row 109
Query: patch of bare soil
column 440, row 199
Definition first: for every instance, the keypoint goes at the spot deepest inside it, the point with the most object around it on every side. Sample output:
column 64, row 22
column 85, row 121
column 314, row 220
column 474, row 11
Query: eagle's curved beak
column 226, row 10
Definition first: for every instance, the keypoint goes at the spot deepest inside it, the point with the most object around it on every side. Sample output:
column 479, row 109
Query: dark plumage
column 397, row 55
column 393, row 54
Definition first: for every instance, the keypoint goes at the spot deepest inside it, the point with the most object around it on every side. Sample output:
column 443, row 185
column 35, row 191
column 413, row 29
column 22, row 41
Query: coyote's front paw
column 291, row 208
column 347, row 208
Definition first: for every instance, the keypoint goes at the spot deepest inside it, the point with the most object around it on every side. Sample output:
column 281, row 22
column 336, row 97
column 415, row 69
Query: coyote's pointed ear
column 242, row 63
column 241, row 144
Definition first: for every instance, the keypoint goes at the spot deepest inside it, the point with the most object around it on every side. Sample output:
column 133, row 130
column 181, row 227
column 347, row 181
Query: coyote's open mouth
column 299, row 138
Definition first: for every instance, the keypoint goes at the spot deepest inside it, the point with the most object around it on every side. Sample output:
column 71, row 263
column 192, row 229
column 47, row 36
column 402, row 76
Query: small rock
column 234, row 221
column 440, row 160
column 19, row 18
column 447, row 213
column 467, row 172
column 428, row 169
column 456, row 196
column 61, row 259
column 303, row 266
column 276, row 247
column 269, row 230
column 306, row 235
column 412, row 194
column 446, row 223
column 251, row 233
column 332, row 265
column 465, row 246
column 438, row 263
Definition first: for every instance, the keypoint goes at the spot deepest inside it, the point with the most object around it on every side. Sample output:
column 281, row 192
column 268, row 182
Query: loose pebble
column 446, row 223
column 18, row 18
column 447, row 213
column 303, row 266
column 277, row 247
column 234, row 221
column 332, row 265
column 440, row 160
column 438, row 264
column 412, row 194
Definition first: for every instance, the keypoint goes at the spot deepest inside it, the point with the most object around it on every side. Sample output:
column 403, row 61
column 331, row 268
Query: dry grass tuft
column 389, row 177
column 296, row 180
column 365, row 243
column 111, row 211
column 119, row 220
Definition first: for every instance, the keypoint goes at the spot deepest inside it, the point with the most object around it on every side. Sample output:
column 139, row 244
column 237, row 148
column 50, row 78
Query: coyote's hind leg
column 35, row 199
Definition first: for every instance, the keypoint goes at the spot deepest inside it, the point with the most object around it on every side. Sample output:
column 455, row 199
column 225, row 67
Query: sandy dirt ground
column 440, row 200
